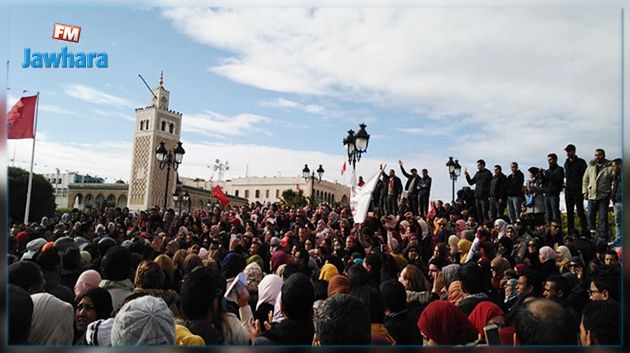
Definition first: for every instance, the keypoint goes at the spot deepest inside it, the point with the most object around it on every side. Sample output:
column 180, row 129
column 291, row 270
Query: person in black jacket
column 574, row 168
column 413, row 181
column 424, row 190
column 393, row 187
column 482, row 180
column 498, row 193
column 553, row 181
column 514, row 192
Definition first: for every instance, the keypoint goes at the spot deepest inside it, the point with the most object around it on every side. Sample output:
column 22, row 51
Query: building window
column 267, row 193
column 277, row 193
column 246, row 194
column 236, row 193
column 171, row 128
column 257, row 194
column 163, row 125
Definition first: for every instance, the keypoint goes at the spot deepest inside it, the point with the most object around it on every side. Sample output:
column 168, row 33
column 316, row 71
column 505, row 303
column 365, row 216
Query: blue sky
column 270, row 89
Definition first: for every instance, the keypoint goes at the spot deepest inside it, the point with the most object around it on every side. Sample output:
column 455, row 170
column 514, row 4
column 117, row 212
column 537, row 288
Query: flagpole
column 30, row 174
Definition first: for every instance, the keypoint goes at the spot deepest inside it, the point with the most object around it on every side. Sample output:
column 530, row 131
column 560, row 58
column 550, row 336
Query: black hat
column 570, row 147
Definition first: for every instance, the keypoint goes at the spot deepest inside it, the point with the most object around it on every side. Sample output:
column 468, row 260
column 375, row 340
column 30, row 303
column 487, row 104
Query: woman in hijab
column 486, row 313
column 88, row 279
column 94, row 304
column 278, row 258
column 500, row 226
column 454, row 250
column 449, row 272
column 268, row 291
column 338, row 285
column 510, row 293
column 443, row 323
column 464, row 247
column 563, row 258
column 547, row 258
column 254, row 276
column 327, row 272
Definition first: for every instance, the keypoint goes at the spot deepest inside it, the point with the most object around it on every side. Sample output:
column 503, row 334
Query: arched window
column 171, row 127
column 163, row 125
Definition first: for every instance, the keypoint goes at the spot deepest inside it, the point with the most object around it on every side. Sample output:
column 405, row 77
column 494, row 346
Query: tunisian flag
column 21, row 119
column 219, row 195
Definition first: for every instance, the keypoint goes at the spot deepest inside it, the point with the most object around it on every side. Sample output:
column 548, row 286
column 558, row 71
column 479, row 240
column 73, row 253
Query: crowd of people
column 413, row 273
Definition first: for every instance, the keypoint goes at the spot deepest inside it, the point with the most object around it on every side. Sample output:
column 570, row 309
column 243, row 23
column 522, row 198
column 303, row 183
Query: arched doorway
column 99, row 201
column 89, row 201
column 122, row 201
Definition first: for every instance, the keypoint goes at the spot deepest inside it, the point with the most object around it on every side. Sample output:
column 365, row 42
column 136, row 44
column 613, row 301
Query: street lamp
column 180, row 198
column 167, row 160
column 454, row 170
column 310, row 176
column 357, row 144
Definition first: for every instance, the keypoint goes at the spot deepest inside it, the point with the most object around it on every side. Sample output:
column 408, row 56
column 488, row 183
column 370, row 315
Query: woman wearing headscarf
column 254, row 276
column 510, row 293
column 486, row 313
column 454, row 250
column 443, row 323
column 500, row 226
column 268, row 291
column 88, row 279
column 327, row 272
column 449, row 272
column 94, row 304
column 563, row 258
column 547, row 257
column 338, row 285
column 464, row 247
column 278, row 258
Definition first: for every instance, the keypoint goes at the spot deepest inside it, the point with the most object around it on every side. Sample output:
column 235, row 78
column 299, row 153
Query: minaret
column 154, row 124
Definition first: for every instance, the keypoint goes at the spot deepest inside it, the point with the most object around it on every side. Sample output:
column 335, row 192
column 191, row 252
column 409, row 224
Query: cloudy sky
column 270, row 89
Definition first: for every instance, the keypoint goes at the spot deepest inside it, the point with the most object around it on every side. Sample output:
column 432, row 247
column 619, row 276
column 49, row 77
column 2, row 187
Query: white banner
column 360, row 197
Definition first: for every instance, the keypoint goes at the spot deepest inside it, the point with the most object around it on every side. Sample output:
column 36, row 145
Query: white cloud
column 507, row 81
column 289, row 104
column 218, row 125
column 108, row 114
column 111, row 159
column 50, row 108
column 428, row 131
column 94, row 96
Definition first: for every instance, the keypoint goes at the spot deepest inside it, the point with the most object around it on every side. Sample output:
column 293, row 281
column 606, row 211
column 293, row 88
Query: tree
column 293, row 199
column 42, row 197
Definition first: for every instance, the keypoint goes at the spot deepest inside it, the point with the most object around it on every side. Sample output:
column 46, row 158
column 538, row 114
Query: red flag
column 431, row 212
column 343, row 168
column 219, row 195
column 21, row 119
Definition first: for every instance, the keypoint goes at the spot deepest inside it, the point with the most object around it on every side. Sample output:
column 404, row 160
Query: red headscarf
column 278, row 258
column 446, row 324
column 483, row 312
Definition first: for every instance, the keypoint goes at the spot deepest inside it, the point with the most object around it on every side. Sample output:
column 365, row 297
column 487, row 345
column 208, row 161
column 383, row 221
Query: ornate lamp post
column 180, row 198
column 454, row 170
column 169, row 159
column 357, row 144
column 310, row 176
